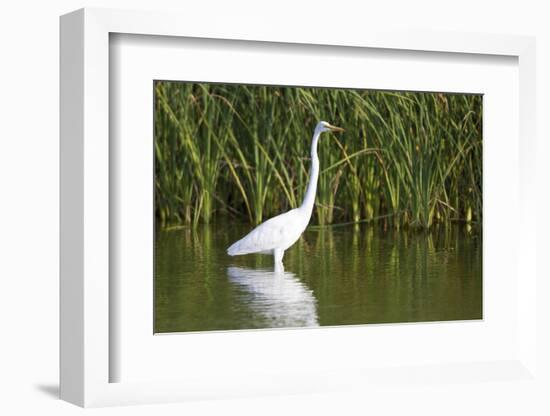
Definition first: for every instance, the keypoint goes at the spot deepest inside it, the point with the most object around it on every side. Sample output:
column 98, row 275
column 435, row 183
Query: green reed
column 406, row 159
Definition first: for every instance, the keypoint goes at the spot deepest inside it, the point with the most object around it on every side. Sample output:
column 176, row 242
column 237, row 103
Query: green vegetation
column 406, row 159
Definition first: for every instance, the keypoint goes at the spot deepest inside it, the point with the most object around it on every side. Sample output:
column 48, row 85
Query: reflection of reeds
column 410, row 159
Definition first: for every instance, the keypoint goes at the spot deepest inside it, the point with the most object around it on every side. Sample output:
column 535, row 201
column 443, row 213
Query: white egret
column 278, row 233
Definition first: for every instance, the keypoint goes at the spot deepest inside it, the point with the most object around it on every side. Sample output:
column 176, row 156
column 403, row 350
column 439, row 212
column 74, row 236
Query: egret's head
column 324, row 126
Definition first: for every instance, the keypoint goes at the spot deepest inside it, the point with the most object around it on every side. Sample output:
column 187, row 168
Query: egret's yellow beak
column 334, row 128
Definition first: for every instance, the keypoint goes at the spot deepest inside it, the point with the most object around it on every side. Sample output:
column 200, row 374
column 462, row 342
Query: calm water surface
column 333, row 276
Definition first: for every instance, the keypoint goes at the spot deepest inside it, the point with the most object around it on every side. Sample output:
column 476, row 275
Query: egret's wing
column 267, row 236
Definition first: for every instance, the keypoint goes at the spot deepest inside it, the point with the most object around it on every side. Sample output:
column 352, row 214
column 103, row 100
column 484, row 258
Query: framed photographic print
column 266, row 214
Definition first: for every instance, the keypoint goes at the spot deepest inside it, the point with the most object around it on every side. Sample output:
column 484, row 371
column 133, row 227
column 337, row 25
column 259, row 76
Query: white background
column 29, row 206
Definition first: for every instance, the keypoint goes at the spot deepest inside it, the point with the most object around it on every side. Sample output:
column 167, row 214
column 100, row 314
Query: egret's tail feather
column 232, row 251
column 235, row 250
column 239, row 248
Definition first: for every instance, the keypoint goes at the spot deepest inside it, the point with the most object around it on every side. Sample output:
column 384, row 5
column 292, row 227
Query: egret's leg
column 278, row 253
column 278, row 258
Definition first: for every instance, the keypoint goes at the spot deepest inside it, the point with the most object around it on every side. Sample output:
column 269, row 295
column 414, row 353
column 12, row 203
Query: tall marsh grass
column 406, row 159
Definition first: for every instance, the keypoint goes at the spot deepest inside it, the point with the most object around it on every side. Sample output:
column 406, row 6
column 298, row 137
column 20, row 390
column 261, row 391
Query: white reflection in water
column 278, row 297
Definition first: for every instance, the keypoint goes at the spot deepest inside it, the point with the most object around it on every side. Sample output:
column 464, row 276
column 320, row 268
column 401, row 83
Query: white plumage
column 279, row 233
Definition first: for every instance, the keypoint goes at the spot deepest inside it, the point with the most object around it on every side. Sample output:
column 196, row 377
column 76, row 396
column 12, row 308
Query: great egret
column 278, row 233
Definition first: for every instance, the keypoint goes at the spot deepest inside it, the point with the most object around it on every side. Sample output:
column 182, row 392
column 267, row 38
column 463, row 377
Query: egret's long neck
column 309, row 198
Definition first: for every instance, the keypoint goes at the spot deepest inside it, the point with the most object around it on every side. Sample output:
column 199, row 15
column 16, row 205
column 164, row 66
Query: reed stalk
column 241, row 152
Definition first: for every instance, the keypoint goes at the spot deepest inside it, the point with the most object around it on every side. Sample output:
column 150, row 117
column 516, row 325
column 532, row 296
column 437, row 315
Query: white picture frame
column 85, row 213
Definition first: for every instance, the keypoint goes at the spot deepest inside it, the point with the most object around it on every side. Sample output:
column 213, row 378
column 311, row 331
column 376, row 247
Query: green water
column 333, row 276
